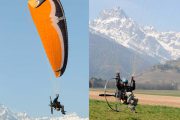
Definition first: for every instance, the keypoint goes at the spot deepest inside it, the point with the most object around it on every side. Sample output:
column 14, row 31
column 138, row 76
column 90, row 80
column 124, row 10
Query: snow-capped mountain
column 107, row 57
column 115, row 25
column 7, row 114
column 4, row 113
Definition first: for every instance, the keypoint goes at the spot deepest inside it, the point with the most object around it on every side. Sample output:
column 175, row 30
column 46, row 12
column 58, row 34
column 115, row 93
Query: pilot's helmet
column 124, row 80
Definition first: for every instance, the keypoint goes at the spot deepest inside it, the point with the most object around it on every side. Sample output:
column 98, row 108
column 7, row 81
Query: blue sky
column 25, row 73
column 162, row 14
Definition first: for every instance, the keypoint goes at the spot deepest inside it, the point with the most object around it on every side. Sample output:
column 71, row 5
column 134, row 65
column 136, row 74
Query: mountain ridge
column 7, row 114
column 115, row 24
column 139, row 47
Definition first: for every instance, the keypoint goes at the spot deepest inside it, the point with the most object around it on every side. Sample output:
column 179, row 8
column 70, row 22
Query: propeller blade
column 106, row 95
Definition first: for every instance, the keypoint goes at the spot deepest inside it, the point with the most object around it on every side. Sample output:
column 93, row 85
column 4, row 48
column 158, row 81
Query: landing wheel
column 113, row 96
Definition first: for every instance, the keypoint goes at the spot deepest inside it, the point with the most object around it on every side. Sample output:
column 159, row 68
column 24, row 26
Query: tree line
column 100, row 83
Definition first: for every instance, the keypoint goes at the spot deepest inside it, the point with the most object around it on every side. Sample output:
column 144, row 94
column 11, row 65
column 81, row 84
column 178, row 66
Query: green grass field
column 100, row 111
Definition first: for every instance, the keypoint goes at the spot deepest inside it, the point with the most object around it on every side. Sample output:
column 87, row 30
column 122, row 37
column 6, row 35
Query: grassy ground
column 100, row 111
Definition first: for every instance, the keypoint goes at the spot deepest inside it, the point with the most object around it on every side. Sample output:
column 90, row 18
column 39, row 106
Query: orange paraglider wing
column 49, row 19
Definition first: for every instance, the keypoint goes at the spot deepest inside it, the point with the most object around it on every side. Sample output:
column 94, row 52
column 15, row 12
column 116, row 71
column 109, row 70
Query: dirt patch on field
column 145, row 99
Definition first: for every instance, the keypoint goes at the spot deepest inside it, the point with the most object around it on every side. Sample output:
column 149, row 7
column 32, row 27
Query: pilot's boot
column 62, row 109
